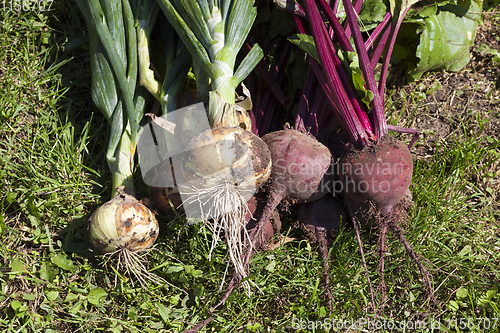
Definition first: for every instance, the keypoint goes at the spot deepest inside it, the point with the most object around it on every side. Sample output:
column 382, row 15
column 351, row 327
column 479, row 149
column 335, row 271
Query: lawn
column 54, row 174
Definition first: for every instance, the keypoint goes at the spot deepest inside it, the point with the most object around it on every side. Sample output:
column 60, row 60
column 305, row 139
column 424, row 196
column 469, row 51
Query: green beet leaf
column 372, row 12
column 306, row 43
column 447, row 37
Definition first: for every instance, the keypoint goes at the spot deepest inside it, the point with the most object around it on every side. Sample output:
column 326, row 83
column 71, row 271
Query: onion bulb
column 123, row 222
column 228, row 151
column 232, row 149
column 220, row 172
column 125, row 227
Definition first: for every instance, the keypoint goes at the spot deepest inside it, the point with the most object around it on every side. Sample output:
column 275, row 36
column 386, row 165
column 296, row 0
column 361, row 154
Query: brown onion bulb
column 122, row 222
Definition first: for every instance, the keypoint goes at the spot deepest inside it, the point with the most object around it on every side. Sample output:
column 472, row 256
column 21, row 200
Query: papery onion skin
column 122, row 222
column 232, row 153
column 244, row 120
column 235, row 149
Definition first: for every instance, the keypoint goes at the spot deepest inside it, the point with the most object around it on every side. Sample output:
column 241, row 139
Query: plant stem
column 122, row 163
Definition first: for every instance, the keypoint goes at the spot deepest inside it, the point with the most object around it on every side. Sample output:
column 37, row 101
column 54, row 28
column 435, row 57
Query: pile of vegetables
column 226, row 155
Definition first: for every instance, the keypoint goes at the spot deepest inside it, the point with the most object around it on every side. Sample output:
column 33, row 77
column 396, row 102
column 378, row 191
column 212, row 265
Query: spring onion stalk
column 177, row 58
column 123, row 225
column 177, row 62
column 214, row 32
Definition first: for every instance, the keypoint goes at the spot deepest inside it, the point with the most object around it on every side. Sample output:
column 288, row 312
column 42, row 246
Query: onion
column 123, row 226
column 231, row 149
column 219, row 173
column 123, row 222
column 212, row 158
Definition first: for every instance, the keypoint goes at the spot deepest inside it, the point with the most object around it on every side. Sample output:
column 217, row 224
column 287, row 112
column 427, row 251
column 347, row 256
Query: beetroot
column 380, row 173
column 376, row 171
column 377, row 180
column 299, row 164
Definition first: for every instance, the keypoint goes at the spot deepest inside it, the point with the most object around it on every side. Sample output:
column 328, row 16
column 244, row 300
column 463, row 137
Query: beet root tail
column 321, row 239
column 399, row 233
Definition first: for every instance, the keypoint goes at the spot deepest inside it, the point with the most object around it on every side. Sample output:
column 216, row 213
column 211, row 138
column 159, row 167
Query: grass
column 53, row 175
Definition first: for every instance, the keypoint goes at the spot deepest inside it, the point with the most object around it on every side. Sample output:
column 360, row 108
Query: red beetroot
column 377, row 179
column 380, row 173
column 377, row 175
column 299, row 164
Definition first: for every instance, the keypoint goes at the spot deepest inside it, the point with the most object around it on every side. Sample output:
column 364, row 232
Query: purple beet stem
column 378, row 111
column 337, row 94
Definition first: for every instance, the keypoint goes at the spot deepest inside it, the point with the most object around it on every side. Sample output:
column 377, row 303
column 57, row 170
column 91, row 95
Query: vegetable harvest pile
column 320, row 145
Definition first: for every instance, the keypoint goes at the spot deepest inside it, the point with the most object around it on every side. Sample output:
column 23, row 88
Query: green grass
column 54, row 174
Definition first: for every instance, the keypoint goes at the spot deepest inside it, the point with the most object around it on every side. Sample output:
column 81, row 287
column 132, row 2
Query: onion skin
column 122, row 222
column 206, row 160
column 229, row 153
column 244, row 120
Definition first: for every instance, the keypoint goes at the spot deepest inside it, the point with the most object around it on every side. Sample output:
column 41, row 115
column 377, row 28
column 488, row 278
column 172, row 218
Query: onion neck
column 220, row 112
column 121, row 163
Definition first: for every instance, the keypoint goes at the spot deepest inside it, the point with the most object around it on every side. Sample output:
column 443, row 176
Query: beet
column 326, row 185
column 377, row 179
column 299, row 163
column 380, row 173
column 164, row 195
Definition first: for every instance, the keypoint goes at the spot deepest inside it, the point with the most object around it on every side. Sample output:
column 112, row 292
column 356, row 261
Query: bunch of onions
column 122, row 226
column 225, row 164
